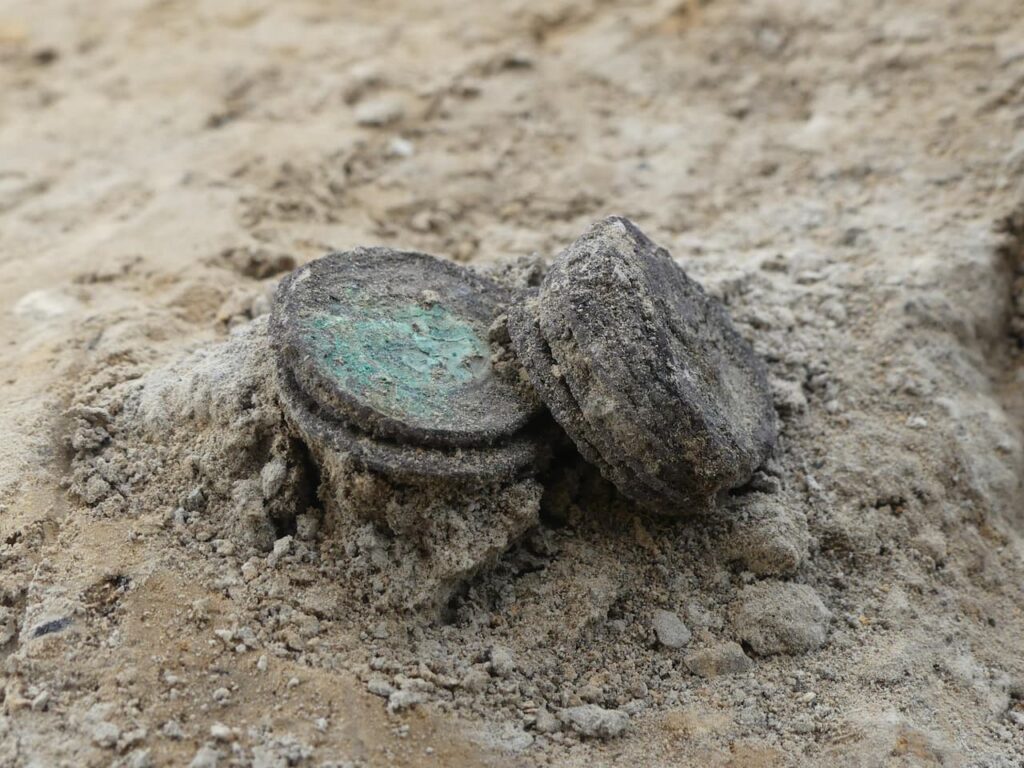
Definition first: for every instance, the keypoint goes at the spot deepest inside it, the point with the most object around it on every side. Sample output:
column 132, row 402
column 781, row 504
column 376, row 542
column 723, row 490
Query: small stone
column 195, row 500
column 206, row 757
column 281, row 549
column 380, row 687
column 593, row 721
column 380, row 632
column 769, row 537
column 226, row 636
column 547, row 722
column 399, row 701
column 105, row 735
column 725, row 658
column 172, row 730
column 282, row 546
column 380, row 112
column 140, row 758
column 222, row 695
column 40, row 702
column 132, row 738
column 272, row 477
column 670, row 630
column 250, row 569
column 476, row 679
column 220, row 732
column 224, row 547
column 780, row 617
column 503, row 663
column 399, row 147
column 261, row 663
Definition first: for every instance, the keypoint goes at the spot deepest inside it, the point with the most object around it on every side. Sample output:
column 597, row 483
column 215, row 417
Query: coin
column 333, row 442
column 644, row 370
column 395, row 344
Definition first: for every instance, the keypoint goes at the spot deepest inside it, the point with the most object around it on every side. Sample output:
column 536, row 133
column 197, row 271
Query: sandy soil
column 836, row 172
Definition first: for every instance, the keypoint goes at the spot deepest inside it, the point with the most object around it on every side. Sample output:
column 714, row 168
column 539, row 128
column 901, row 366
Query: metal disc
column 331, row 441
column 396, row 344
column 653, row 376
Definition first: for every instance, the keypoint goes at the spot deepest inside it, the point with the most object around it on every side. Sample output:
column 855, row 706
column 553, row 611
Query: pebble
column 220, row 732
column 475, row 680
column 399, row 701
column 105, row 735
column 272, row 477
column 281, row 548
column 546, row 722
column 670, row 630
column 780, row 617
column 503, row 662
column 399, row 147
column 725, row 658
column 195, row 500
column 172, row 730
column 380, row 687
column 140, row 758
column 594, row 721
column 131, row 738
column 40, row 702
column 378, row 113
column 206, row 757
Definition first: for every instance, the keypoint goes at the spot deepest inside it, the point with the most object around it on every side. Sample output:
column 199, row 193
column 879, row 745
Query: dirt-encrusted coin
column 384, row 359
column 644, row 370
column 334, row 442
column 396, row 344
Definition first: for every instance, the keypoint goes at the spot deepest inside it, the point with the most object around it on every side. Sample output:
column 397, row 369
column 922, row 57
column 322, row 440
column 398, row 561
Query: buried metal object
column 383, row 357
column 644, row 370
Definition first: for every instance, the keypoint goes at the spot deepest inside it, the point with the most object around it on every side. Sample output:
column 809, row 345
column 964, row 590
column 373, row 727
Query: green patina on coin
column 402, row 360
column 395, row 344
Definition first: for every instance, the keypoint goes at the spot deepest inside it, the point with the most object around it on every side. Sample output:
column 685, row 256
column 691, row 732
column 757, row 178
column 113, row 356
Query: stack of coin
column 384, row 362
column 644, row 371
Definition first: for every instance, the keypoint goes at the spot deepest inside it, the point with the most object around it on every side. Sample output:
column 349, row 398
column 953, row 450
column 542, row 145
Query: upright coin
column 650, row 374
column 396, row 344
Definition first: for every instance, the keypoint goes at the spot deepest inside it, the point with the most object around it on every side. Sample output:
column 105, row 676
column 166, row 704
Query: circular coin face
column 396, row 344
column 650, row 373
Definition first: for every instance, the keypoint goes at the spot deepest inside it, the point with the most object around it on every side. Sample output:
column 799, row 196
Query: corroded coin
column 644, row 370
column 395, row 344
column 335, row 444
